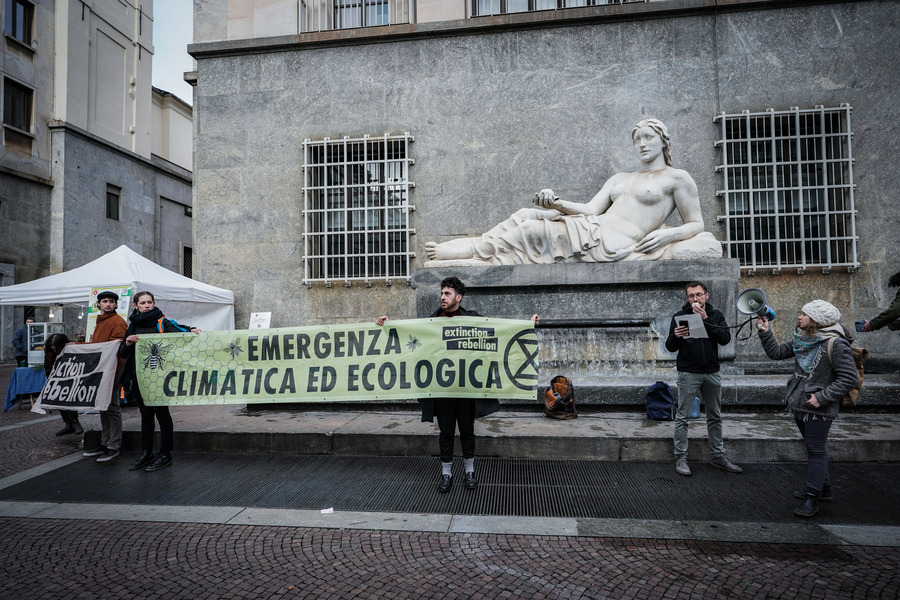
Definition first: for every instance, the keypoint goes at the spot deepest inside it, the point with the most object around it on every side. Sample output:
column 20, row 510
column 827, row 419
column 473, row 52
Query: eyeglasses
column 697, row 296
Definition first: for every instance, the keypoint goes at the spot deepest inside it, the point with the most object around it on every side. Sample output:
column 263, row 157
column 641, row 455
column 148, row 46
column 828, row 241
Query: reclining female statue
column 624, row 221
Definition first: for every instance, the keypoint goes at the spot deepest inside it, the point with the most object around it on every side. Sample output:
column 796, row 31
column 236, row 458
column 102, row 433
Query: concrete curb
column 800, row 533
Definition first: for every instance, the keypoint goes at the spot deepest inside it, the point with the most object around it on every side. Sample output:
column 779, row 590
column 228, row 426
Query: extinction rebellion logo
column 470, row 338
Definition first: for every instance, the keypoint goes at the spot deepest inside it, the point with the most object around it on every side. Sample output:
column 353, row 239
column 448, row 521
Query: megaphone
column 753, row 302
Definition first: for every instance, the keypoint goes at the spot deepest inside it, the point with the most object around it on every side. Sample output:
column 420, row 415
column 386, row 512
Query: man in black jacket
column 698, row 374
column 453, row 412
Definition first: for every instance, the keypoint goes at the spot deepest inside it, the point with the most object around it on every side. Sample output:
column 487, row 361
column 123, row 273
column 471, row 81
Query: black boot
column 67, row 419
column 808, row 508
column 76, row 426
column 142, row 461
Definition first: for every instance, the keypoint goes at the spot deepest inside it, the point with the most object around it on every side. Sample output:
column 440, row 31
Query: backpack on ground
column 559, row 399
column 859, row 355
column 660, row 402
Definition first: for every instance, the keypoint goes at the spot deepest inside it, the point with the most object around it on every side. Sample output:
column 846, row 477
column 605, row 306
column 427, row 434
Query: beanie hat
column 823, row 313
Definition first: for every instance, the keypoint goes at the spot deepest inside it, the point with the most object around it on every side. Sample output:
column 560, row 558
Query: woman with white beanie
column 824, row 372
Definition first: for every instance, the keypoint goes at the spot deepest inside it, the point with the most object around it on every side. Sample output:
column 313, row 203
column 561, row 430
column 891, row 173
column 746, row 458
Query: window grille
column 324, row 15
column 788, row 189
column 356, row 209
column 482, row 8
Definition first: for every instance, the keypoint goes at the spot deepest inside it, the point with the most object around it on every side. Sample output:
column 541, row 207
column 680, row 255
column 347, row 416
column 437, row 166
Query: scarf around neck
column 147, row 319
column 806, row 347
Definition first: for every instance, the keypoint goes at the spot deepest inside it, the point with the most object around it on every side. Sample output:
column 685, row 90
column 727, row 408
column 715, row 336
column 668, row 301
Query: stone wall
column 501, row 111
column 84, row 233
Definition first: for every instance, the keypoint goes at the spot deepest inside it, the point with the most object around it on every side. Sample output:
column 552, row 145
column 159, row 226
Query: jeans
column 814, row 429
column 111, row 423
column 451, row 412
column 708, row 386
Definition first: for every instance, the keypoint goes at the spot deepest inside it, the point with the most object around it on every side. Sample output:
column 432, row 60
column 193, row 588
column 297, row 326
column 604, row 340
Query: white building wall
column 172, row 129
column 103, row 69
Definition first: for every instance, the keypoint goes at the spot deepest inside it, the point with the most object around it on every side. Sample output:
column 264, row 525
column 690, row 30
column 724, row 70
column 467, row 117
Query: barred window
column 356, row 209
column 481, row 8
column 788, row 189
column 324, row 15
column 360, row 13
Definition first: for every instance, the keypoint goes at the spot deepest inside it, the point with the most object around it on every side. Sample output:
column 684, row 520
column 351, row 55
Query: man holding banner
column 453, row 412
column 110, row 327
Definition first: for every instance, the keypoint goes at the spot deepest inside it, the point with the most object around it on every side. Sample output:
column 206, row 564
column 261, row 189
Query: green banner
column 460, row 357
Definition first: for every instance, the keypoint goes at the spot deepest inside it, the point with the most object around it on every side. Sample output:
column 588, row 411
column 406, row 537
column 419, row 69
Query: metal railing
column 484, row 8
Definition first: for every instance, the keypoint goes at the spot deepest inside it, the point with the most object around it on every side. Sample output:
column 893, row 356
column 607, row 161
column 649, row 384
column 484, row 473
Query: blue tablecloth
column 24, row 380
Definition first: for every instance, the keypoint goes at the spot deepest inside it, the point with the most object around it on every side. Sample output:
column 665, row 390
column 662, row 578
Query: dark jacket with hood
column 483, row 406
column 699, row 355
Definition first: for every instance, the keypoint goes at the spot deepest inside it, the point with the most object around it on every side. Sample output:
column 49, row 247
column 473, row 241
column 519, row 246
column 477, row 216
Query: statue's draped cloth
column 535, row 236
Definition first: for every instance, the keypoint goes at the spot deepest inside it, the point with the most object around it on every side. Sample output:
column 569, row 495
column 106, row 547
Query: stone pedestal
column 598, row 320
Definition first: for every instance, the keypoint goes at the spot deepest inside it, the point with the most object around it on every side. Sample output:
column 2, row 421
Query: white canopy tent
column 180, row 298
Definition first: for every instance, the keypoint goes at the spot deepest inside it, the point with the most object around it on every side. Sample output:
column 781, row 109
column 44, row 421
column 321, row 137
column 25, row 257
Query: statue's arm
column 547, row 198
column 687, row 201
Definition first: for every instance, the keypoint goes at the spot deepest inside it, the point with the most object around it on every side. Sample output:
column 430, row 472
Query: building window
column 356, row 209
column 481, row 8
column 18, row 20
column 17, row 105
column 113, row 194
column 324, row 15
column 788, row 189
column 187, row 261
column 361, row 13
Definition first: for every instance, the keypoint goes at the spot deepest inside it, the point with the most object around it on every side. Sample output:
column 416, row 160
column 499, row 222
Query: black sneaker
column 163, row 460
column 108, row 456
column 97, row 451
column 445, row 484
column 825, row 496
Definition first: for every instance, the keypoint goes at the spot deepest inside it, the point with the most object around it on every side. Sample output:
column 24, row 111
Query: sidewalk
column 590, row 508
column 756, row 438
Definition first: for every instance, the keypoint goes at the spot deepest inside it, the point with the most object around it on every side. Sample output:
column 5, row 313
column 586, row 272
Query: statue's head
column 663, row 133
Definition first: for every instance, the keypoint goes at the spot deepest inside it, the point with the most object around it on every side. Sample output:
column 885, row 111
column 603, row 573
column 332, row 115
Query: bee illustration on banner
column 413, row 343
column 155, row 355
column 234, row 348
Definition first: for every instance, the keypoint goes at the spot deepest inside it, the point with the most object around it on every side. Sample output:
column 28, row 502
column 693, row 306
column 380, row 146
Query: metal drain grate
column 508, row 487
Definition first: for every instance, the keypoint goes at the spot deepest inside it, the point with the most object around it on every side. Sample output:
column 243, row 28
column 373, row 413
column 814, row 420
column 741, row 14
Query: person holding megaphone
column 824, row 372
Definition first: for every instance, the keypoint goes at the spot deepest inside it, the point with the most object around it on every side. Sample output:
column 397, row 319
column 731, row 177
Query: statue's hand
column 656, row 240
column 547, row 199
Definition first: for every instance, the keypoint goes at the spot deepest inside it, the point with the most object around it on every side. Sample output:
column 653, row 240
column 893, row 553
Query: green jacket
column 890, row 317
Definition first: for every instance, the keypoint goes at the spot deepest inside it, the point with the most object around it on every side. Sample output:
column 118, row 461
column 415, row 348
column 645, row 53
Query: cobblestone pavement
column 97, row 558
column 63, row 560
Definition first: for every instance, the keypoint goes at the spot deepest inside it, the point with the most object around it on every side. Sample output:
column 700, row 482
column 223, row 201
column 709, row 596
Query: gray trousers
column 111, row 423
column 707, row 386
